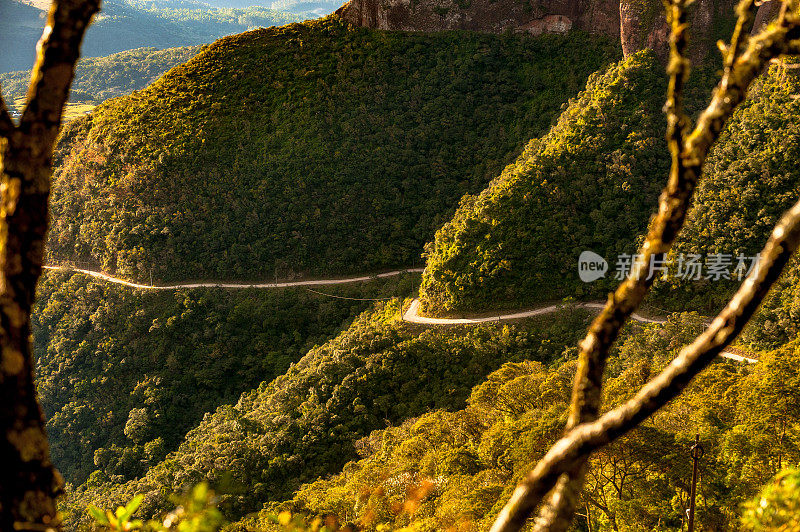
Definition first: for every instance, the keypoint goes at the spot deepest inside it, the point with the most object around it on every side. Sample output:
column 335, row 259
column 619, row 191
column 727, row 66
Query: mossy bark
column 29, row 483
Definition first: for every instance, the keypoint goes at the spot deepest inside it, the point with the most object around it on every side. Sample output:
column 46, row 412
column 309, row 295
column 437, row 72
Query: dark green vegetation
column 304, row 424
column 308, row 149
column 588, row 184
column 454, row 470
column 123, row 374
column 340, row 150
column 98, row 79
column 591, row 184
column 125, row 25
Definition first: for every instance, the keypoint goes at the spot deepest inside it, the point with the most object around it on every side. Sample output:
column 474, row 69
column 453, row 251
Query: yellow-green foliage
column 303, row 425
column 750, row 178
column 196, row 512
column 310, row 148
column 777, row 507
column 466, row 462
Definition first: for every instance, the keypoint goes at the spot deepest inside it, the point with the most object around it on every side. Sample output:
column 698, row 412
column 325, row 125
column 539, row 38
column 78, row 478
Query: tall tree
column 561, row 472
column 29, row 483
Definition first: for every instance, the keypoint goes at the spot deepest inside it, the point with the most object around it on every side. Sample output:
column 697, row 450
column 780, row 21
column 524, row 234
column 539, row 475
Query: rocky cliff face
column 495, row 16
column 643, row 24
column 637, row 23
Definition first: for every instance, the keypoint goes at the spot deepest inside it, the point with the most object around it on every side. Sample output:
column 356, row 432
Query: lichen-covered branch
column 691, row 360
column 29, row 482
column 557, row 513
column 745, row 58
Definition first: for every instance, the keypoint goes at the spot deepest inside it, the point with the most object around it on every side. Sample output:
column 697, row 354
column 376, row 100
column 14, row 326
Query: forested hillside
column 378, row 372
column 319, row 149
column 750, row 179
column 304, row 150
column 589, row 183
column 124, row 374
column 453, row 470
column 101, row 78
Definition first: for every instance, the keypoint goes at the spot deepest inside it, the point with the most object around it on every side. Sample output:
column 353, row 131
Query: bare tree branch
column 556, row 514
column 691, row 360
column 745, row 58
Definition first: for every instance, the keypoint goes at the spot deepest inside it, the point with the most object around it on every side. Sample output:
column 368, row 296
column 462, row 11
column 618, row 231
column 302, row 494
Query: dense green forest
column 125, row 25
column 303, row 425
column 750, row 179
column 320, row 149
column 590, row 183
column 124, row 374
column 309, row 149
column 453, row 470
column 98, row 79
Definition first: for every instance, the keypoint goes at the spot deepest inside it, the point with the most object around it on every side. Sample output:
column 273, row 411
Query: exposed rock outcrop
column 637, row 23
column 494, row 16
column 643, row 24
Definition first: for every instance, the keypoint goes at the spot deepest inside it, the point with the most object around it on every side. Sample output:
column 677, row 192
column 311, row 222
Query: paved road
column 412, row 315
column 287, row 284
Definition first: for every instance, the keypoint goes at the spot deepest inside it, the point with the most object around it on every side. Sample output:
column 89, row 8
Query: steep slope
column 101, row 78
column 303, row 424
column 125, row 25
column 454, row 470
column 750, row 179
column 309, row 149
column 588, row 184
column 124, row 374
column 750, row 176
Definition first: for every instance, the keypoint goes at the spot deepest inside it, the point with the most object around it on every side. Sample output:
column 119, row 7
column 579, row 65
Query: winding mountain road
column 411, row 315
column 287, row 284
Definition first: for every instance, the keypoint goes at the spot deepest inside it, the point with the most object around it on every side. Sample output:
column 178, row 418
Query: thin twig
column 691, row 360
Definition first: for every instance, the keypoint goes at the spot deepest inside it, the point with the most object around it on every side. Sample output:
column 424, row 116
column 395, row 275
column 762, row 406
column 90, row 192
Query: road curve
column 412, row 316
column 287, row 284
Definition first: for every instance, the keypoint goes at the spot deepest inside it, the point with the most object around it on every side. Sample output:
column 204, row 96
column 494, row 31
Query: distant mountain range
column 125, row 25
column 100, row 78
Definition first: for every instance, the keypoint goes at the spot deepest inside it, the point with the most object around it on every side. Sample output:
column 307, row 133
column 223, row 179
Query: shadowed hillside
column 309, row 149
